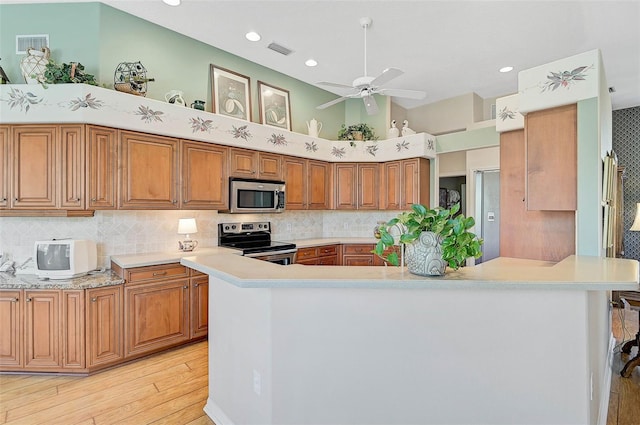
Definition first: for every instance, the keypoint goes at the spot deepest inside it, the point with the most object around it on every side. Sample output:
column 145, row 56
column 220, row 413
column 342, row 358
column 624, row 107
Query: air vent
column 280, row 49
column 37, row 42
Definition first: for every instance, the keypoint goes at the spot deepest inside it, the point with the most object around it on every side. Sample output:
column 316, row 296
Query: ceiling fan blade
column 331, row 103
column 386, row 76
column 342, row 86
column 370, row 105
column 411, row 94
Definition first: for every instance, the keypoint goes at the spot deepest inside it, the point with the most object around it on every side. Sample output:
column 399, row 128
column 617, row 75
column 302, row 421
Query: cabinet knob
column 28, row 300
column 160, row 273
column 77, row 199
column 185, row 287
column 175, row 201
column 3, row 199
column 186, row 201
column 14, row 300
column 93, row 199
column 94, row 299
column 15, row 199
column 196, row 285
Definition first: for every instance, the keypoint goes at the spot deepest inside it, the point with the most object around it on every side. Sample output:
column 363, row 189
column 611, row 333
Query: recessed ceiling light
column 311, row 62
column 253, row 36
column 506, row 69
column 172, row 2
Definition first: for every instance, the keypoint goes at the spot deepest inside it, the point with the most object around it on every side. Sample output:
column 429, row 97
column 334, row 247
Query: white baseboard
column 606, row 385
column 216, row 414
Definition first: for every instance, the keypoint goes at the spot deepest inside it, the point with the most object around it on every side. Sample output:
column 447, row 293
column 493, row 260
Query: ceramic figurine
column 393, row 131
column 405, row 128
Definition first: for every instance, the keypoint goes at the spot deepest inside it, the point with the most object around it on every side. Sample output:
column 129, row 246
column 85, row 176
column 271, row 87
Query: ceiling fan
column 365, row 87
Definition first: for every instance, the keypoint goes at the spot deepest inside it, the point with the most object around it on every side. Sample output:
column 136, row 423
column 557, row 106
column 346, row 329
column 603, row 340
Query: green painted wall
column 588, row 216
column 73, row 35
column 100, row 37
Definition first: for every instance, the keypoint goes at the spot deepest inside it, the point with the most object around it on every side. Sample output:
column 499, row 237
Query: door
column 42, row 328
column 11, row 328
column 102, row 178
column 204, row 172
column 104, row 325
column 488, row 213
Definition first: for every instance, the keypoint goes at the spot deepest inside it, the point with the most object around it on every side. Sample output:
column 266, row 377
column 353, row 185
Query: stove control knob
column 260, row 226
column 233, row 226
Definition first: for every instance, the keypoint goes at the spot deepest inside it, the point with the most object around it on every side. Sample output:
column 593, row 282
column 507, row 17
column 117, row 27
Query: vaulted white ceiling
column 446, row 48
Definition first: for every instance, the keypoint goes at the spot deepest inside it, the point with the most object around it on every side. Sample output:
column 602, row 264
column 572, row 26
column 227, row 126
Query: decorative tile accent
column 626, row 144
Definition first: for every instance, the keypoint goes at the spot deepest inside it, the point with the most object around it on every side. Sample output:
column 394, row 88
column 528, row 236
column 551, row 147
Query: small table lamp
column 187, row 226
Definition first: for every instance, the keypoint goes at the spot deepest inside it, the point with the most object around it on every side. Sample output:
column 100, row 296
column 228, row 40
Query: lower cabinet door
column 199, row 306
column 156, row 316
column 104, row 339
column 11, row 331
column 42, row 329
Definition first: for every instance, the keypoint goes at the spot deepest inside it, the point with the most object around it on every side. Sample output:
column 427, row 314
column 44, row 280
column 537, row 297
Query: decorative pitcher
column 175, row 97
column 314, row 127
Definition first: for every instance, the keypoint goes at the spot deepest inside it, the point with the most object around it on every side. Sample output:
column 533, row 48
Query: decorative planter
column 34, row 64
column 424, row 255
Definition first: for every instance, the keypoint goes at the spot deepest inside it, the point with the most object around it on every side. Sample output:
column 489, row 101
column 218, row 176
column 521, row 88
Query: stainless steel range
column 254, row 240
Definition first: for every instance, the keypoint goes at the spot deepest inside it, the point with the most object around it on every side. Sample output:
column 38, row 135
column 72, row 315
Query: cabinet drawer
column 309, row 262
column 153, row 273
column 304, row 253
column 358, row 248
column 327, row 250
column 328, row 261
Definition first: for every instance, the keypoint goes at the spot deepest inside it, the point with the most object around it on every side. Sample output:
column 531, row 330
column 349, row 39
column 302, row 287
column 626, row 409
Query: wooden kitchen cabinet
column 104, row 326
column 405, row 182
column 551, row 159
column 4, row 166
column 357, row 186
column 73, row 330
column 325, row 255
column 156, row 316
column 156, row 313
column 46, row 167
column 358, row 255
column 148, row 171
column 42, row 329
column 102, row 167
column 308, row 184
column 254, row 164
column 204, row 176
column 11, row 329
column 199, row 304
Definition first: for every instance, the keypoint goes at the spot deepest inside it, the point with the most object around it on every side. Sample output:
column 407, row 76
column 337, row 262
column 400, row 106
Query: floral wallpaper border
column 80, row 103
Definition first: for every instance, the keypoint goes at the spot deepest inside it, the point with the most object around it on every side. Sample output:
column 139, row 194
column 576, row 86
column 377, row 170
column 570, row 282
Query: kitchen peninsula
column 363, row 345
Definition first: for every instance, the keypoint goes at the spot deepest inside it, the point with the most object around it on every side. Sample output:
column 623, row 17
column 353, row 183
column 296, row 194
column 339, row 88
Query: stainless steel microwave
column 256, row 196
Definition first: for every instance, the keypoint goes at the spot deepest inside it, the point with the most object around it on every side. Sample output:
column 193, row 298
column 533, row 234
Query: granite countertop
column 31, row 281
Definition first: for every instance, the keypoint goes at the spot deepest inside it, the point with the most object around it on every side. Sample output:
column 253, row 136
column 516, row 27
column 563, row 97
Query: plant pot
column 424, row 255
column 357, row 135
column 34, row 64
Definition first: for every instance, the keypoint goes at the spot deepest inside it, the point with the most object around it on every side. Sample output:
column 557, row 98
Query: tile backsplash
column 137, row 232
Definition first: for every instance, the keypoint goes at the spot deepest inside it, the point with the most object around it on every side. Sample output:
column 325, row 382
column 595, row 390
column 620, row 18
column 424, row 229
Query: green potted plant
column 66, row 73
column 434, row 239
column 355, row 132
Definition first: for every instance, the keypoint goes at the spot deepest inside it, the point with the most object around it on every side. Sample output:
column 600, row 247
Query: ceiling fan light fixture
column 252, row 36
column 311, row 62
column 172, row 2
column 506, row 69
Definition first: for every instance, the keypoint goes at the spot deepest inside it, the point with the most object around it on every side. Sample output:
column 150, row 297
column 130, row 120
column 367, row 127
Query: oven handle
column 266, row 253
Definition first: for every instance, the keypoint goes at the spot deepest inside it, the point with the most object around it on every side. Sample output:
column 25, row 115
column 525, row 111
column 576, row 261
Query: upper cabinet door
column 149, row 171
column 102, row 167
column 204, row 176
column 368, row 186
column 551, row 159
column 72, row 167
column 270, row 166
column 294, row 173
column 390, row 186
column 346, row 186
column 33, row 156
column 243, row 163
column 318, row 187
column 4, row 166
column 416, row 181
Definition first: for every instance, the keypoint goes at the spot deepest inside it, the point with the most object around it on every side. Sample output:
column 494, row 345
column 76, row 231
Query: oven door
column 284, row 258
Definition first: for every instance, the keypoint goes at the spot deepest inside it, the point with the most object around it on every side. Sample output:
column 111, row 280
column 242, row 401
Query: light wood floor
column 624, row 400
column 171, row 388
column 168, row 388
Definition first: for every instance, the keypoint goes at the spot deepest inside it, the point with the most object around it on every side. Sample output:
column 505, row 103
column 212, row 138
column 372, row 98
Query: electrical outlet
column 289, row 227
column 346, row 226
column 257, row 385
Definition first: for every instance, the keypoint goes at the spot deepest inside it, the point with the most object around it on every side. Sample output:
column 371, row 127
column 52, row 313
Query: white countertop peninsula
column 507, row 342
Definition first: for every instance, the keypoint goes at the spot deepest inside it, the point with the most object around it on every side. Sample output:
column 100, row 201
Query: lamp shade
column 636, row 223
column 187, row 226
